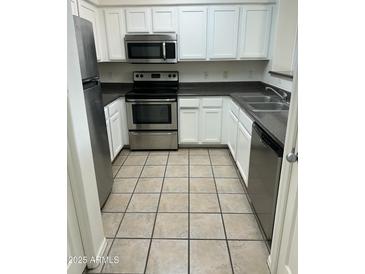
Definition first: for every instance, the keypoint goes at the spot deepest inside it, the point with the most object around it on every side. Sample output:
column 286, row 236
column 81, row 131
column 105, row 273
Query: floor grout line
column 154, row 223
column 124, row 213
column 220, row 207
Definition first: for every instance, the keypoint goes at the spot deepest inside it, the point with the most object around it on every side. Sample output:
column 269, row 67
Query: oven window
column 151, row 114
column 144, row 50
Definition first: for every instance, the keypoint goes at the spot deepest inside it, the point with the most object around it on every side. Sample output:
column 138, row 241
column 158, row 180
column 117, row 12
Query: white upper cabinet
column 138, row 20
column 192, row 33
column 74, row 7
column 115, row 31
column 255, row 31
column 223, row 32
column 90, row 13
column 164, row 19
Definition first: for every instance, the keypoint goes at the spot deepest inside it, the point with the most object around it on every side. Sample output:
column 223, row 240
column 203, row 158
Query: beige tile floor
column 182, row 211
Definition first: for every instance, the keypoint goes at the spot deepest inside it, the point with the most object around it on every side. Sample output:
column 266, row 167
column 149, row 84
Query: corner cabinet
column 193, row 33
column 223, row 32
column 255, row 31
column 115, row 31
column 200, row 120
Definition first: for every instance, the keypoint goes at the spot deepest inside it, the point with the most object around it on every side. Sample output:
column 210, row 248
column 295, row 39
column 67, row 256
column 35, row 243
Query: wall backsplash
column 189, row 71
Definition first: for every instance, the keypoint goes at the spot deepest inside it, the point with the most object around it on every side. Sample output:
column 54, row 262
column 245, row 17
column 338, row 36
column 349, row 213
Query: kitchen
column 187, row 107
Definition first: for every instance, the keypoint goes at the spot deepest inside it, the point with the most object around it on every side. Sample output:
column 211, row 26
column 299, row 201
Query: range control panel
column 140, row 76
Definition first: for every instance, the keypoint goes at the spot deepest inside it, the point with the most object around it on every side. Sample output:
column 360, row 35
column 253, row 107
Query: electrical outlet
column 205, row 75
column 225, row 74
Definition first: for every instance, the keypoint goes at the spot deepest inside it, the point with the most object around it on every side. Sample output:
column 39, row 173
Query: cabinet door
column 116, row 133
column 255, row 31
column 123, row 115
column 232, row 134
column 115, row 31
column 163, row 19
column 90, row 13
column 243, row 151
column 189, row 126
column 74, row 7
column 223, row 32
column 109, row 138
column 211, row 125
column 138, row 20
column 192, row 33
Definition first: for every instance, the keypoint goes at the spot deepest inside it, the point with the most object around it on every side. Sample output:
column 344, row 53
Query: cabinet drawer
column 106, row 112
column 214, row 102
column 245, row 121
column 234, row 108
column 113, row 107
column 189, row 103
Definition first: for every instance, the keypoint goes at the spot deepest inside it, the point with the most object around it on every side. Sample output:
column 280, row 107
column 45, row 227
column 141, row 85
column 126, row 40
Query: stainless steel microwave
column 151, row 48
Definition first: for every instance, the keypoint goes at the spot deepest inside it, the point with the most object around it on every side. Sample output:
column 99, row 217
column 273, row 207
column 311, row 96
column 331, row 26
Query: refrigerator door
column 86, row 48
column 99, row 139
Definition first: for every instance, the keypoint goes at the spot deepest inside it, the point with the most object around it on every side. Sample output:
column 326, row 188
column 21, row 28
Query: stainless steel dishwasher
column 263, row 179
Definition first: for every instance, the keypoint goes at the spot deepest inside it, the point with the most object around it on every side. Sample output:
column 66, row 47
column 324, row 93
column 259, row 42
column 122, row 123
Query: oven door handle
column 151, row 100
column 152, row 133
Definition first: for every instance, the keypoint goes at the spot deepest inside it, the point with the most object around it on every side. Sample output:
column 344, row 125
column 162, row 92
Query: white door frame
column 75, row 249
column 285, row 178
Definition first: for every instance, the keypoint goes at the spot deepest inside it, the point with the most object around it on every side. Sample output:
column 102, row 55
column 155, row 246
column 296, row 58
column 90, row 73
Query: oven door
column 152, row 114
column 151, row 51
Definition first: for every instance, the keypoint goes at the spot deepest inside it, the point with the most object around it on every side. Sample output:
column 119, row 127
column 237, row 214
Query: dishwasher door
column 263, row 182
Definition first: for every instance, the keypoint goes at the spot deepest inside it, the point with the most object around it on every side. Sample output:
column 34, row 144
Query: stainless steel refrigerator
column 94, row 107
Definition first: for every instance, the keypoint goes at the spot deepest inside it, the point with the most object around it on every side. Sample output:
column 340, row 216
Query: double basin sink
column 265, row 103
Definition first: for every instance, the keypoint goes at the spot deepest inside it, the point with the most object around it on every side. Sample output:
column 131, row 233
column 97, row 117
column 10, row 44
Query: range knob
column 141, row 75
column 137, row 75
column 174, row 75
column 169, row 75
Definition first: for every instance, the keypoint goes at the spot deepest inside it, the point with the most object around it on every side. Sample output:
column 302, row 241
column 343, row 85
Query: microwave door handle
column 164, row 50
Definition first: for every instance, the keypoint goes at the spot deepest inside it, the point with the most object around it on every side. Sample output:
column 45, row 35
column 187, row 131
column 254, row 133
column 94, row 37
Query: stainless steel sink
column 259, row 99
column 269, row 107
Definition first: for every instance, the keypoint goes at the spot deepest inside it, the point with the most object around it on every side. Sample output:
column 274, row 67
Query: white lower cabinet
column 107, row 121
column 232, row 133
column 243, row 151
column 116, row 132
column 116, row 126
column 211, row 125
column 189, row 125
column 200, row 120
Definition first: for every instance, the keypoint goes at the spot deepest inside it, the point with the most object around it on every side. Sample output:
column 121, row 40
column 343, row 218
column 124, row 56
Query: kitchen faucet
column 283, row 96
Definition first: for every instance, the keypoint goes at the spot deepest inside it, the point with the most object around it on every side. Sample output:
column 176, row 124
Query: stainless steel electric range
column 152, row 110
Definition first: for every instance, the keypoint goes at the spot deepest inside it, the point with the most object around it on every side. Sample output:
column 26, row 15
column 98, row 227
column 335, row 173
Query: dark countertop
column 112, row 91
column 274, row 123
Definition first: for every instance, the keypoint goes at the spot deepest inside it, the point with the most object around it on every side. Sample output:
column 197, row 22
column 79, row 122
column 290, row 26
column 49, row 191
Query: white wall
column 189, row 71
column 275, row 80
